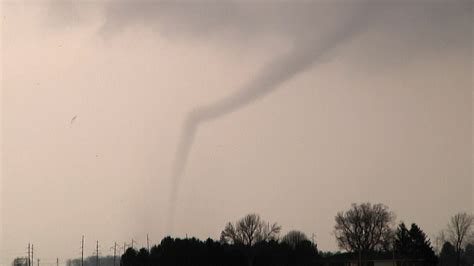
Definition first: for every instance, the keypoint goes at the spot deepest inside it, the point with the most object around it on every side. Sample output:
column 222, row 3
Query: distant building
column 370, row 259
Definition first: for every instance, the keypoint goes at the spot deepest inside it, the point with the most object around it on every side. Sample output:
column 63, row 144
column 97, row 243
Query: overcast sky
column 293, row 110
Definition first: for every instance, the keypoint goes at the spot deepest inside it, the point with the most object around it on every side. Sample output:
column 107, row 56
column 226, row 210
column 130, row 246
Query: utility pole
column 97, row 253
column 132, row 242
column 115, row 251
column 29, row 262
column 57, row 261
column 82, row 251
column 360, row 258
column 38, row 262
column 147, row 243
column 32, row 260
column 124, row 249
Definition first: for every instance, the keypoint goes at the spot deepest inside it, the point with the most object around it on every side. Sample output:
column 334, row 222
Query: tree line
column 364, row 229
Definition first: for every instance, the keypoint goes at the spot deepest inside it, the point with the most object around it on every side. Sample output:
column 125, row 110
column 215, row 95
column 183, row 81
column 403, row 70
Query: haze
column 95, row 95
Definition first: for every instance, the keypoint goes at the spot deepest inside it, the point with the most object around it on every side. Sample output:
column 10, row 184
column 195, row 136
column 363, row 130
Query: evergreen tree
column 414, row 244
column 402, row 240
column 421, row 246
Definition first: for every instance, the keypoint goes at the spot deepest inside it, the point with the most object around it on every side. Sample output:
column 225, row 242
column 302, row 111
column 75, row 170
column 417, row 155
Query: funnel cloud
column 306, row 52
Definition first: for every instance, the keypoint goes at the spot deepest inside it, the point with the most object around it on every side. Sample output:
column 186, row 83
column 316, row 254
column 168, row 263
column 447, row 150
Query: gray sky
column 298, row 109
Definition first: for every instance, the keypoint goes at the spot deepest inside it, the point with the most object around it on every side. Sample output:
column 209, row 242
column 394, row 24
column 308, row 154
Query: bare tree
column 439, row 241
column 250, row 230
column 459, row 228
column 293, row 238
column 364, row 227
column 231, row 235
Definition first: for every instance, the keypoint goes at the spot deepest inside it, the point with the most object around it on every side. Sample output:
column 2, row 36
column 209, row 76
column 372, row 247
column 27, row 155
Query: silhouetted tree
column 447, row 256
column 459, row 229
column 250, row 230
column 469, row 254
column 440, row 239
column 275, row 254
column 270, row 253
column 305, row 253
column 293, row 238
column 193, row 252
column 402, row 241
column 364, row 227
column 422, row 246
column 414, row 244
column 143, row 257
column 129, row 258
column 23, row 261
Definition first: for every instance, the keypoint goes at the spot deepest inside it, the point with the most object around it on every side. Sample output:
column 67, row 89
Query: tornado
column 307, row 51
